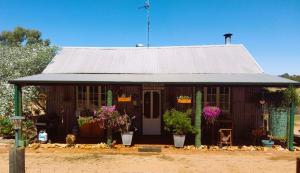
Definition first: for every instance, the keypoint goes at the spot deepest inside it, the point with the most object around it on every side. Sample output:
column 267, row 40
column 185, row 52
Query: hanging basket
column 124, row 99
column 184, row 99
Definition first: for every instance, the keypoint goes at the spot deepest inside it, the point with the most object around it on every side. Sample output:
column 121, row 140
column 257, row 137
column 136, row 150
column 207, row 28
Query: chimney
column 139, row 45
column 227, row 38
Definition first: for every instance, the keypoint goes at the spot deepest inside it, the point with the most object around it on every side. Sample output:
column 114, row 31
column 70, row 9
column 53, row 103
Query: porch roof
column 261, row 79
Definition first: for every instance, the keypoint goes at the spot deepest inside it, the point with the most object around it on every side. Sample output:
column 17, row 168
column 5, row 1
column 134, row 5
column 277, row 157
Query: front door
column 151, row 112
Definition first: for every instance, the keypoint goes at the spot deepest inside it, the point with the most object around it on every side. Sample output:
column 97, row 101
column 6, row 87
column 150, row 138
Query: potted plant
column 179, row 123
column 125, row 122
column 268, row 140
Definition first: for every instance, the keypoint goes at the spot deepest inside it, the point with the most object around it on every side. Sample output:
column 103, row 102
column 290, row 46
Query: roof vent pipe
column 139, row 45
column 227, row 38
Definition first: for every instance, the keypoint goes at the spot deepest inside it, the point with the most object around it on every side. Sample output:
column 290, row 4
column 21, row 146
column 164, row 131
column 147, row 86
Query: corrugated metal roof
column 155, row 60
column 239, row 79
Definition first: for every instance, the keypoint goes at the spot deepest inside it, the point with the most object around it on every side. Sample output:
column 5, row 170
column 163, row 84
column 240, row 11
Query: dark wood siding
column 172, row 92
column 61, row 102
column 245, row 107
column 246, row 112
column 133, row 108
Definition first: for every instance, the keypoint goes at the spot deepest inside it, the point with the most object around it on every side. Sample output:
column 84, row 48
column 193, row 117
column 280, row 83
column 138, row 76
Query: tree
column 20, row 36
column 19, row 61
column 292, row 77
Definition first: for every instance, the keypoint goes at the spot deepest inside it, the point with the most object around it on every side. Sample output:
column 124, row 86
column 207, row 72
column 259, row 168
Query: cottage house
column 147, row 81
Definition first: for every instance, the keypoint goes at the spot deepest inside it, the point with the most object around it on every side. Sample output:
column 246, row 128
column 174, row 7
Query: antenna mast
column 147, row 8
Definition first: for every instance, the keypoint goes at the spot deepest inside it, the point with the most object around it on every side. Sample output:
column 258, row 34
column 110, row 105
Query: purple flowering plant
column 109, row 118
column 211, row 113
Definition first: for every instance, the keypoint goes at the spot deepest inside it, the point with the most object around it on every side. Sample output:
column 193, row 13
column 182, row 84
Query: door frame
column 151, row 109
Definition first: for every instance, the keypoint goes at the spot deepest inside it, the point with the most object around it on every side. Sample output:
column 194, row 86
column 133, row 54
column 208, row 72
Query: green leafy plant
column 29, row 130
column 178, row 122
column 84, row 120
column 290, row 96
column 19, row 61
column 6, row 127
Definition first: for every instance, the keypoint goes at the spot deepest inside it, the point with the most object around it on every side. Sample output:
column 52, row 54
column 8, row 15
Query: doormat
column 156, row 149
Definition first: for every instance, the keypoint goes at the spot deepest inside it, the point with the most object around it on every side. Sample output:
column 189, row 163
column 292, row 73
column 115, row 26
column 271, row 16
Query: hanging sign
column 184, row 99
column 123, row 98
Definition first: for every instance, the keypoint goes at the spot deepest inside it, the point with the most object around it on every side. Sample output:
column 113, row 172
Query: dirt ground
column 170, row 160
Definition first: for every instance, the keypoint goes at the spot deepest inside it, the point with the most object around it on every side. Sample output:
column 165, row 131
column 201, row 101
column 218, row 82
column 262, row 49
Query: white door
column 151, row 112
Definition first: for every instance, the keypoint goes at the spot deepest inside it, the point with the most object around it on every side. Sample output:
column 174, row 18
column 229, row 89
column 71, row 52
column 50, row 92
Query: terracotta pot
column 91, row 130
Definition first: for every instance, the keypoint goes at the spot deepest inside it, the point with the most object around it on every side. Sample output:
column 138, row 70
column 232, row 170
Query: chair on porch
column 225, row 137
column 225, row 132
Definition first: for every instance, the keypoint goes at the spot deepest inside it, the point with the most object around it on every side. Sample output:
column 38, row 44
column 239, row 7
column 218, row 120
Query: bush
column 178, row 122
column 6, row 127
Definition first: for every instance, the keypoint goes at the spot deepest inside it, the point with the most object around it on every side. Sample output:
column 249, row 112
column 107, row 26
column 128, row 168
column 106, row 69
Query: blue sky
column 270, row 29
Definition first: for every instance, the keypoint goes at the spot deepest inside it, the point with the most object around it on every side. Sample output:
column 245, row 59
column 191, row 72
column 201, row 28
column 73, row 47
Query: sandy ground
column 71, row 160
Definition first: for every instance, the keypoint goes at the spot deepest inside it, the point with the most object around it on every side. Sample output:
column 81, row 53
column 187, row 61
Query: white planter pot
column 127, row 138
column 179, row 140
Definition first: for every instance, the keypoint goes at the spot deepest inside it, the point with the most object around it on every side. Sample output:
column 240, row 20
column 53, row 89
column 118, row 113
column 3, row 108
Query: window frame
column 218, row 95
column 87, row 97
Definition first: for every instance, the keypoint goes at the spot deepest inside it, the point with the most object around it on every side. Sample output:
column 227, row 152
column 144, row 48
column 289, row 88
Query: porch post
column 109, row 131
column 198, row 119
column 291, row 127
column 18, row 110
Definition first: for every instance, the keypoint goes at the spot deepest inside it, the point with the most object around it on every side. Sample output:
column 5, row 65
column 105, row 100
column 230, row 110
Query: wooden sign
column 184, row 99
column 123, row 98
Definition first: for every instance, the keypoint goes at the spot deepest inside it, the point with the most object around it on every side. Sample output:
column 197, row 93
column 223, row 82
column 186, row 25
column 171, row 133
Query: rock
column 34, row 146
column 214, row 148
column 297, row 148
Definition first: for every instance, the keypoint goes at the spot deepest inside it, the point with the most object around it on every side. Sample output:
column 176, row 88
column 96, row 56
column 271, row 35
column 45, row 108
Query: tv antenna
column 147, row 8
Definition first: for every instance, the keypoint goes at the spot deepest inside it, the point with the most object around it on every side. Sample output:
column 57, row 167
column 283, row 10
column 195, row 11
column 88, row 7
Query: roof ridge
column 156, row 47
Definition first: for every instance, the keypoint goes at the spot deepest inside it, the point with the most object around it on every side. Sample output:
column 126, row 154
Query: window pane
column 93, row 97
column 147, row 104
column 103, row 95
column 82, row 96
column 156, row 110
column 225, row 98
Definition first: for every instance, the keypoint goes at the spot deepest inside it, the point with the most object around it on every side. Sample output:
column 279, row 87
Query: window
column 224, row 99
column 211, row 96
column 217, row 96
column 90, row 97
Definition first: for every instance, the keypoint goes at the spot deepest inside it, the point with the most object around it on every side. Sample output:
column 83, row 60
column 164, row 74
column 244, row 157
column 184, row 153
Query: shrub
column 178, row 122
column 6, row 127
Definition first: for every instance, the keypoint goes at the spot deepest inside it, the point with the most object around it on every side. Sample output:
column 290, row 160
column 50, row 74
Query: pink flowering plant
column 211, row 113
column 108, row 117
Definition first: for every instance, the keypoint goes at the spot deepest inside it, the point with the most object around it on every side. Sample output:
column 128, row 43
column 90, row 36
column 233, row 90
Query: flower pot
column 267, row 143
column 179, row 140
column 127, row 138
